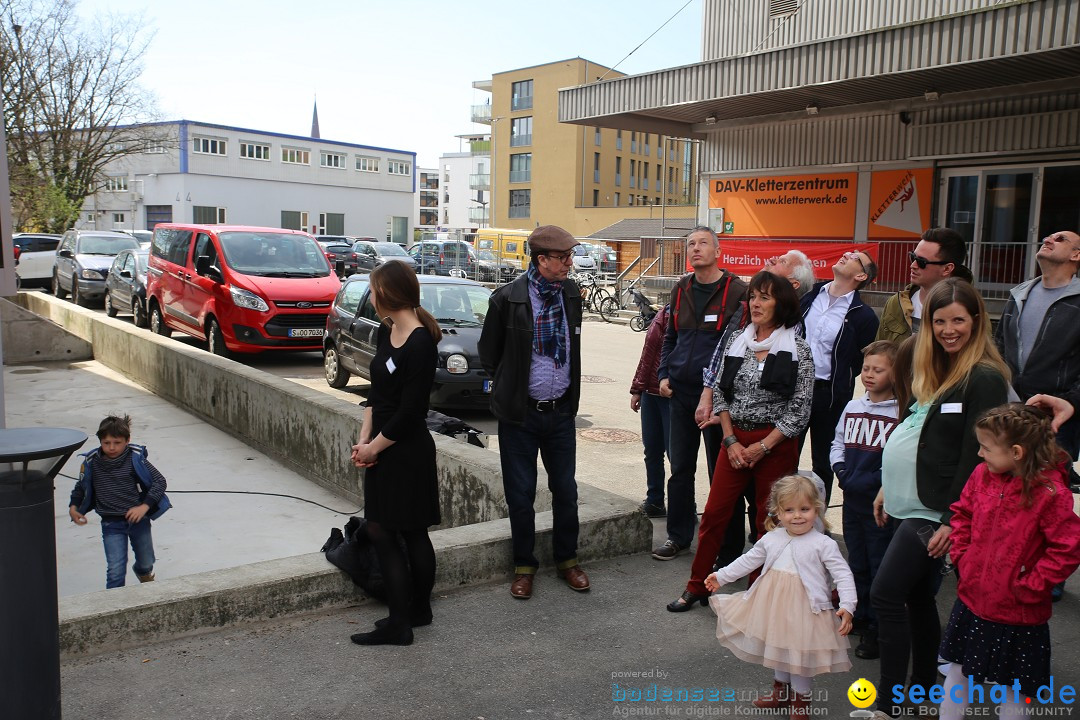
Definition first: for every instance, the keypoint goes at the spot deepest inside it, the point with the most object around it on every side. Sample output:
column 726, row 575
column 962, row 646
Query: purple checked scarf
column 549, row 337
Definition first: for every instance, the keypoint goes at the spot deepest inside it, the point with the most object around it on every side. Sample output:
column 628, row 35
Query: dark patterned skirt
column 997, row 653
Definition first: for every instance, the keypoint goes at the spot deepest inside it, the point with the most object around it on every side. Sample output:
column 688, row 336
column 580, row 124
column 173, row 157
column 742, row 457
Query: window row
column 298, row 156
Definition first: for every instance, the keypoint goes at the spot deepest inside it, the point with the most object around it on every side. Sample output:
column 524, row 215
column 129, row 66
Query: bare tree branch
column 72, row 103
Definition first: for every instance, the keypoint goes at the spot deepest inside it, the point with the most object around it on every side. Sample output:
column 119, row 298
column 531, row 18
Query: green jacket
column 895, row 321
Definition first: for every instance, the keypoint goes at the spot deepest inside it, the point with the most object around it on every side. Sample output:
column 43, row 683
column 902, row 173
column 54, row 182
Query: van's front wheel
column 157, row 323
column 215, row 341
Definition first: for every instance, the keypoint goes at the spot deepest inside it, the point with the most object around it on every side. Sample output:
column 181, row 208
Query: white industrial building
column 207, row 173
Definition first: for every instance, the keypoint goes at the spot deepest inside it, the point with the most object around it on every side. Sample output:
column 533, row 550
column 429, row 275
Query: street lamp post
column 30, row 458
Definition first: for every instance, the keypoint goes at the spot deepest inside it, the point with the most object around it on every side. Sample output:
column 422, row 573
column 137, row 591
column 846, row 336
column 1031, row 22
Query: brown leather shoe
column 576, row 578
column 521, row 588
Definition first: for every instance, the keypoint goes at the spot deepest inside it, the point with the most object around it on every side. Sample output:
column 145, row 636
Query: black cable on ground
column 255, row 492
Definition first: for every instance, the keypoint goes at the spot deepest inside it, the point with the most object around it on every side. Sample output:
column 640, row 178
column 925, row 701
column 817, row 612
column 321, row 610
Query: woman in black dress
column 401, row 494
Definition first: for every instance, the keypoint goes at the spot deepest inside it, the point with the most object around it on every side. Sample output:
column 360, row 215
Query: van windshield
column 274, row 254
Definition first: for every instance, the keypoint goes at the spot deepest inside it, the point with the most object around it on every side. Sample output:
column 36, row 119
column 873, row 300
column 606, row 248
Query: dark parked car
column 83, row 261
column 444, row 257
column 459, row 306
column 494, row 270
column 125, row 288
column 369, row 255
column 341, row 257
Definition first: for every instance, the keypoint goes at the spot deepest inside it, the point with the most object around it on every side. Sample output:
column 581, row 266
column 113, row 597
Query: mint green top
column 898, row 469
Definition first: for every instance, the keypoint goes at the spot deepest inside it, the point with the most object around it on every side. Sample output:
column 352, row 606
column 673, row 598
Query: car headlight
column 92, row 275
column 245, row 299
column 457, row 364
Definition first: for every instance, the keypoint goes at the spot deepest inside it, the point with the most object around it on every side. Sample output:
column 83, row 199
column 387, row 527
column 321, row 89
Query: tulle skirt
column 777, row 629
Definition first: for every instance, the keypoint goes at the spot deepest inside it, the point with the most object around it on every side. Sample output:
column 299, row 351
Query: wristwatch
column 729, row 441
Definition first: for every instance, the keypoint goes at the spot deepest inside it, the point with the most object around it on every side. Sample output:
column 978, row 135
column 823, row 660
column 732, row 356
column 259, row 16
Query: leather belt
column 750, row 426
column 545, row 405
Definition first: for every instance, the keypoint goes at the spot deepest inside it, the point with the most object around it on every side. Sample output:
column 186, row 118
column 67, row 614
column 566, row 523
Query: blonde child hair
column 1018, row 424
column 789, row 487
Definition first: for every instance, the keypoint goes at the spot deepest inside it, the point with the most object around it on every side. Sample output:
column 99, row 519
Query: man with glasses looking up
column 796, row 267
column 939, row 254
column 702, row 304
column 531, row 348
column 838, row 326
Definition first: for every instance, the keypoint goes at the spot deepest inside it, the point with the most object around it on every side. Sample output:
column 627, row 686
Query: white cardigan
column 813, row 553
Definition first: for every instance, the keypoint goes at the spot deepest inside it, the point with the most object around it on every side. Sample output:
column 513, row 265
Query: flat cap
column 551, row 238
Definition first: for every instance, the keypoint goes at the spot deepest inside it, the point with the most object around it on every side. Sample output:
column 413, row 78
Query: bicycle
column 646, row 310
column 592, row 296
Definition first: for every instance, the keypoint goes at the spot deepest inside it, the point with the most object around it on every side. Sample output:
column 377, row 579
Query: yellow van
column 511, row 246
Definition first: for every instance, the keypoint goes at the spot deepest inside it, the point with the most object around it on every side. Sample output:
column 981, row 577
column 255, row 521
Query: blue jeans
column 655, row 435
column 553, row 435
column 683, row 446
column 116, row 534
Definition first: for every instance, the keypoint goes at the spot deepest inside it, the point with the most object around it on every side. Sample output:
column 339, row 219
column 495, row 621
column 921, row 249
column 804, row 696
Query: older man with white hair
column 796, row 267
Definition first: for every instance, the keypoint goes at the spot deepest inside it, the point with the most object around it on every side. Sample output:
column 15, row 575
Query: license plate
column 305, row 332
column 487, row 386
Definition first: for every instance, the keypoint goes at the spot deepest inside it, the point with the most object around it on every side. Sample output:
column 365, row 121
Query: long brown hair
column 1018, row 424
column 394, row 287
column 935, row 372
column 901, row 373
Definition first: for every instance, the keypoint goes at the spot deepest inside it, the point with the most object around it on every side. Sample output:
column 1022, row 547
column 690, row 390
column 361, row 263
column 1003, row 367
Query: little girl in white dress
column 785, row 620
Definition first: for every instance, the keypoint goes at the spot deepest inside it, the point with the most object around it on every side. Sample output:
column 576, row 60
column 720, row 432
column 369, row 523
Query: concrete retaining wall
column 133, row 616
column 27, row 338
column 308, row 431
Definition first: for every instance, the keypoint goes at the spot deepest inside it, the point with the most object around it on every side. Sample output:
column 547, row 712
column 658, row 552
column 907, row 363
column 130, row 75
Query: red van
column 241, row 289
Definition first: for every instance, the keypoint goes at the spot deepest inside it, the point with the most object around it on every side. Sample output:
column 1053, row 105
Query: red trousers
column 727, row 487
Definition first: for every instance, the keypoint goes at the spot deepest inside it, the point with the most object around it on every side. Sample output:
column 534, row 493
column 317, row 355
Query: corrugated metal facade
column 1047, row 122
column 738, row 27
column 1015, row 43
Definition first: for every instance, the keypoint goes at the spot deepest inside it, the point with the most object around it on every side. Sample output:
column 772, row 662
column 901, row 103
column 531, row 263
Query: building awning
column 1009, row 45
column 633, row 229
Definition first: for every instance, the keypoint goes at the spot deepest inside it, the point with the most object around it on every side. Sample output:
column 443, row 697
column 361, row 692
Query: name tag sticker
column 952, row 407
column 390, row 365
column 710, row 318
column 577, row 330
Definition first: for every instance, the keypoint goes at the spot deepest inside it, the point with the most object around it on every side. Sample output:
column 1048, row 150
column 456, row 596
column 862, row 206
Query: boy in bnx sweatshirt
column 118, row 481
column 855, row 457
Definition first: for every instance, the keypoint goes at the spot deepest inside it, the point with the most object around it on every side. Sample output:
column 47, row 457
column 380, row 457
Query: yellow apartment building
column 582, row 178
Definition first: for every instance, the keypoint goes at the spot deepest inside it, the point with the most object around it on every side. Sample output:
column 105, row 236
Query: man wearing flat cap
column 531, row 347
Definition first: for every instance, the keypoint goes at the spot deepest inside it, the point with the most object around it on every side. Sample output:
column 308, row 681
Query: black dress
column 401, row 490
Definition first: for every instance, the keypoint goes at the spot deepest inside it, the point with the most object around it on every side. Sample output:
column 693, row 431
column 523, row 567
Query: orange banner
column 810, row 206
column 746, row 257
column 900, row 202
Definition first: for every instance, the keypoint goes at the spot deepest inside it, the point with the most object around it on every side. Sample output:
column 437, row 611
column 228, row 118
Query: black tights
column 408, row 584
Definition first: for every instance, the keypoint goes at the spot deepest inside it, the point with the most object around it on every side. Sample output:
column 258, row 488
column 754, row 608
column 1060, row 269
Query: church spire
column 315, row 119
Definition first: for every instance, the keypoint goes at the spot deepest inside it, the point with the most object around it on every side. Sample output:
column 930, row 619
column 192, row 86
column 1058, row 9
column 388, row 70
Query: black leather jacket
column 506, row 348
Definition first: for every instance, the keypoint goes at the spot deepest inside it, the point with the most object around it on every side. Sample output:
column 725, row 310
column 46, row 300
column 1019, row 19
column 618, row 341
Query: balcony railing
column 480, row 181
column 519, row 211
column 517, row 176
column 481, row 114
column 478, row 215
column 480, row 147
column 520, row 140
column 522, row 102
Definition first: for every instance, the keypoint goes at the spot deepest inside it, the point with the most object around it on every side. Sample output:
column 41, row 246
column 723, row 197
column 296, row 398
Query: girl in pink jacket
column 1014, row 536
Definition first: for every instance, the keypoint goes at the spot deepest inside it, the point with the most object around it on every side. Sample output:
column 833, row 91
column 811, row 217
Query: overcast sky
column 394, row 74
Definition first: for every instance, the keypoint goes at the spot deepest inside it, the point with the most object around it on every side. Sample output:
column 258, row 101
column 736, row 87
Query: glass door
column 994, row 209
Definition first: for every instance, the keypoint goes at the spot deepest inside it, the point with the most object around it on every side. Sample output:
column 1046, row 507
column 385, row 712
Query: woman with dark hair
column 761, row 400
column 401, row 494
column 957, row 376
